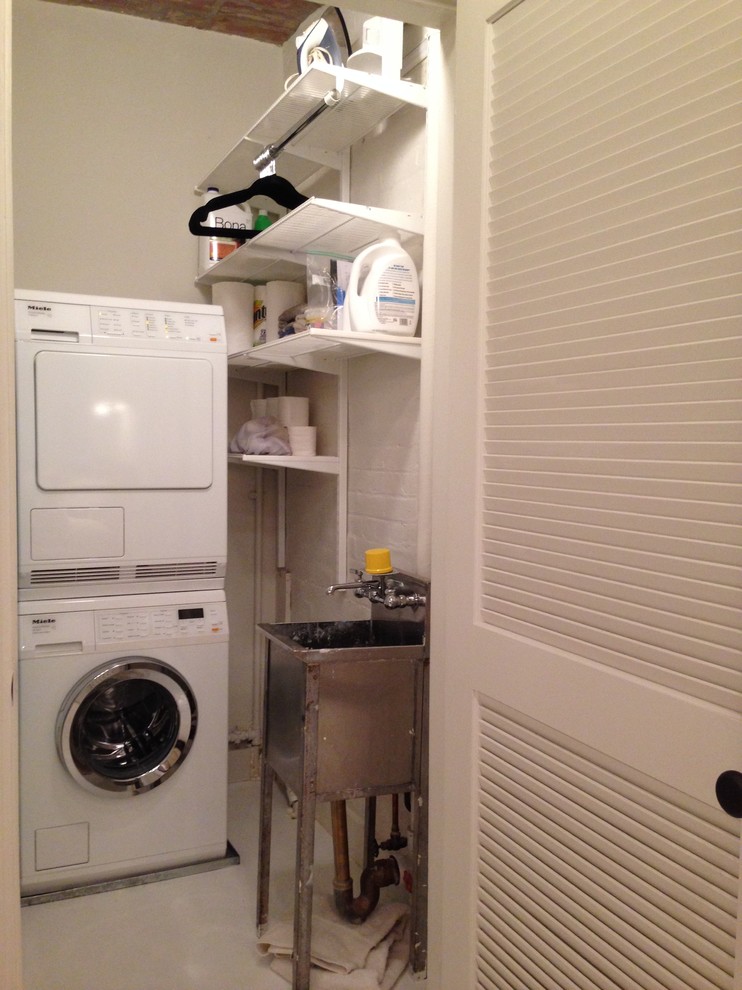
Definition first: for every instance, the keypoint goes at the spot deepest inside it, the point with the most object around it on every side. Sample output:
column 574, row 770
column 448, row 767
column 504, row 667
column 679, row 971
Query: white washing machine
column 123, row 736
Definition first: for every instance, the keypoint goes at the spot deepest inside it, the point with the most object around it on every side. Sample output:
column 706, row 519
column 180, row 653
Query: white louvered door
column 587, row 668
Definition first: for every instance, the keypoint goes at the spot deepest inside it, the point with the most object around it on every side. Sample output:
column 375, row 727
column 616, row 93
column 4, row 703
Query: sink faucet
column 382, row 588
column 372, row 588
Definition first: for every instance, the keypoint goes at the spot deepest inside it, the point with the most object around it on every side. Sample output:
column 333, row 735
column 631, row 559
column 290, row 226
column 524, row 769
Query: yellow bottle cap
column 378, row 561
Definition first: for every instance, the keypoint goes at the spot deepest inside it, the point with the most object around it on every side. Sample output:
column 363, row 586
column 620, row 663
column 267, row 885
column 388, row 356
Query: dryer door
column 127, row 726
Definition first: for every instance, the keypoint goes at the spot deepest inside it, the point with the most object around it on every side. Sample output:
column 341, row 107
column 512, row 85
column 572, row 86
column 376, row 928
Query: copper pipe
column 380, row 874
column 343, row 881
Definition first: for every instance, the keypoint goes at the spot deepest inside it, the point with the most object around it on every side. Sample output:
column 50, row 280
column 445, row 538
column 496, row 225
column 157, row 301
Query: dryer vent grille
column 75, row 575
column 194, row 568
column 140, row 572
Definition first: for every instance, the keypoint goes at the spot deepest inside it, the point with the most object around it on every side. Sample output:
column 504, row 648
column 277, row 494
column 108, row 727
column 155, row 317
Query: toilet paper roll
column 293, row 410
column 237, row 300
column 303, row 441
column 271, row 408
column 270, row 301
column 258, row 408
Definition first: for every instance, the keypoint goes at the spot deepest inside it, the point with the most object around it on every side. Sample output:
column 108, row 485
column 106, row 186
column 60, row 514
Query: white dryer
column 123, row 736
column 122, row 441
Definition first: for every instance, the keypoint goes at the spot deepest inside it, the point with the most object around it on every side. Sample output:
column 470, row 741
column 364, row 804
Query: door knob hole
column 729, row 792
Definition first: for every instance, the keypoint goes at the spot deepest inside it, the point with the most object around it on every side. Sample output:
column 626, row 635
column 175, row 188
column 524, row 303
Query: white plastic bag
column 264, row 435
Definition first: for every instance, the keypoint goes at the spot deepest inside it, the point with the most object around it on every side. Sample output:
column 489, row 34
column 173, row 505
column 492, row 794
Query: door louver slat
column 615, row 879
column 613, row 360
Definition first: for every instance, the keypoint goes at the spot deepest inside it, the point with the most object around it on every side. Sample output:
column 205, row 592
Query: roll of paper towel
column 277, row 297
column 293, row 410
column 237, row 300
column 303, row 441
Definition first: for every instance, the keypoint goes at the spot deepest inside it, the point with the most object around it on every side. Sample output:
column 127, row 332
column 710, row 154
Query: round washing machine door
column 127, row 726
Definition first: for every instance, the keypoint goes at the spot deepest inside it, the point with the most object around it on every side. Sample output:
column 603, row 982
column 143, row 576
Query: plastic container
column 378, row 560
column 213, row 249
column 383, row 294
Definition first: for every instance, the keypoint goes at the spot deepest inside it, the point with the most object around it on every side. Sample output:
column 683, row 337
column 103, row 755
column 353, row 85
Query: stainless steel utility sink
column 345, row 698
column 344, row 717
column 348, row 635
column 344, row 701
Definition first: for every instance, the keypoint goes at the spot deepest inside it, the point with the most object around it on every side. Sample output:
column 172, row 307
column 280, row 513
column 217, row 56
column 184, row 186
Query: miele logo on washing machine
column 33, row 308
column 39, row 625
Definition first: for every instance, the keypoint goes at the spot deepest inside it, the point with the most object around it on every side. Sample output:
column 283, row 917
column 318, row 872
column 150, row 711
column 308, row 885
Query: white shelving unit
column 350, row 104
column 355, row 102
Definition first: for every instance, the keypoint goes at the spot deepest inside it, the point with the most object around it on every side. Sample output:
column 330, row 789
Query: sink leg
column 305, row 837
column 419, row 904
column 264, row 851
column 303, row 895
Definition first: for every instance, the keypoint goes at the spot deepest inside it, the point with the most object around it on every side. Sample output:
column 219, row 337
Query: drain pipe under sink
column 376, row 875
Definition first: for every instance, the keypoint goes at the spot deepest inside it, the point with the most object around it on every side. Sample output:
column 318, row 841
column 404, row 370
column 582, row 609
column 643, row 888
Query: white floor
column 190, row 933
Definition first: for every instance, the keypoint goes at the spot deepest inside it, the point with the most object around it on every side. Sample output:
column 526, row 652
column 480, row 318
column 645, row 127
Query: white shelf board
column 328, row 227
column 250, row 264
column 335, row 344
column 320, row 464
column 367, row 100
column 355, row 344
column 318, row 227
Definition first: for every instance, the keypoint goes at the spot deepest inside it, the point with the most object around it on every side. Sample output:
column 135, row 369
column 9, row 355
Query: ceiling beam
column 426, row 13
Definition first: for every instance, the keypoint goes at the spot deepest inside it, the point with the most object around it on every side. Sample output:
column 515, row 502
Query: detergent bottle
column 383, row 294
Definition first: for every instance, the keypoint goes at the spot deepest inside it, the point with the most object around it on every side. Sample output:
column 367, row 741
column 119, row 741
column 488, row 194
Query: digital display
column 190, row 613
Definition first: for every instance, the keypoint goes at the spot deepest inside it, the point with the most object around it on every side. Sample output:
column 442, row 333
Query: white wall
column 116, row 119
column 388, row 170
column 383, row 459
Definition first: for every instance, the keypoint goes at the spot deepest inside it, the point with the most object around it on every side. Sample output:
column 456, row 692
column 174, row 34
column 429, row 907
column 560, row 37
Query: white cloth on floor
column 369, row 956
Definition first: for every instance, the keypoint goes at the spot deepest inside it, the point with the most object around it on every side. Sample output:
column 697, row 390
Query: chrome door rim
column 109, row 675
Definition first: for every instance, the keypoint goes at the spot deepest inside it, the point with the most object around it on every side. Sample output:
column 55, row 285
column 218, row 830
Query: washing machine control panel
column 86, row 626
column 173, row 622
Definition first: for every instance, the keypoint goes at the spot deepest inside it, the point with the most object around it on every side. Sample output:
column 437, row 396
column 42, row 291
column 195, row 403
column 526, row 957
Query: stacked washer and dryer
column 122, row 546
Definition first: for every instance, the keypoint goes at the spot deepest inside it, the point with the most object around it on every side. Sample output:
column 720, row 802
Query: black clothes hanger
column 273, row 186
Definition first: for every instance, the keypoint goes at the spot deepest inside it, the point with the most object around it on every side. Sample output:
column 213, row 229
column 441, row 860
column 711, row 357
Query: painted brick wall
column 384, row 392
column 383, row 415
column 383, row 458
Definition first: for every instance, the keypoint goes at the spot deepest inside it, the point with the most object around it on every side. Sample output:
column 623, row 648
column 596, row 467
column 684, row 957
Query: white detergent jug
column 383, row 294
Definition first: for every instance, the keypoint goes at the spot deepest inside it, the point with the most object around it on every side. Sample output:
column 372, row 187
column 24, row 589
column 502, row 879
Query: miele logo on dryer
column 40, row 623
column 33, row 308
